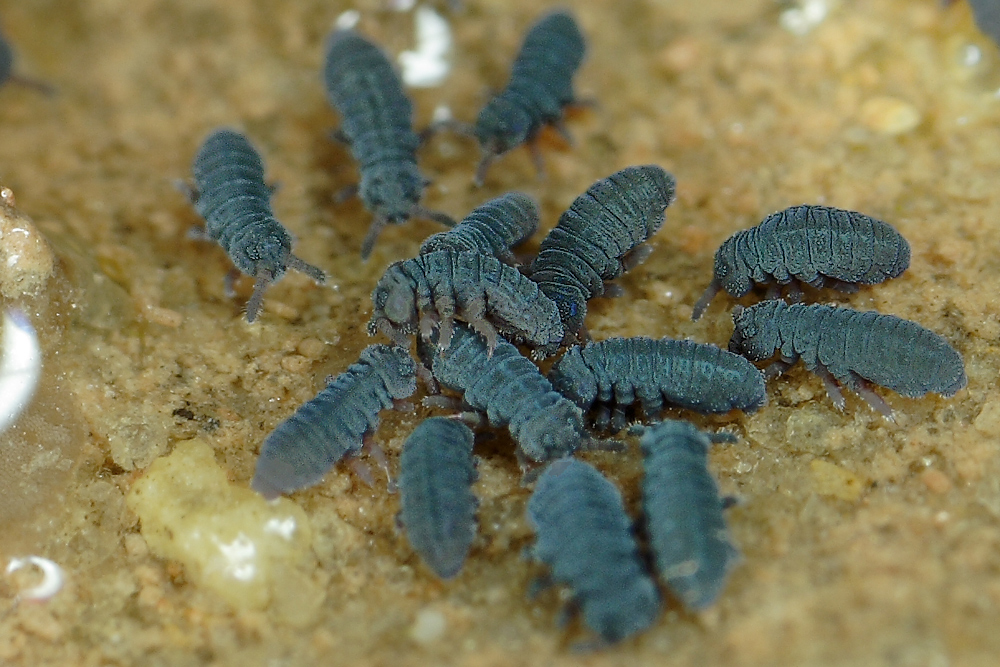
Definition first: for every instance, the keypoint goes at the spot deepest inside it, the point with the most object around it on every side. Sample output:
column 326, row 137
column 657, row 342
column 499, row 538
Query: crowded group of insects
column 482, row 320
column 479, row 318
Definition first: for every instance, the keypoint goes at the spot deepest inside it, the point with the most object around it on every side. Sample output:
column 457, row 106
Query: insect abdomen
column 303, row 448
column 687, row 529
column 438, row 508
column 585, row 536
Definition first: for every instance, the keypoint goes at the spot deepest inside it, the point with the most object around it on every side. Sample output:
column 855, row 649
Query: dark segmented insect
column 600, row 237
column 376, row 122
column 540, row 87
column 300, row 451
column 511, row 390
column 851, row 347
column 230, row 194
column 687, row 531
column 6, row 60
column 493, row 228
column 817, row 245
column 438, row 508
column 987, row 16
column 7, row 71
column 435, row 288
column 620, row 371
column 585, row 536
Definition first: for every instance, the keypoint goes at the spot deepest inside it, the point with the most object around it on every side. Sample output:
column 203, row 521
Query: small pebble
column 801, row 19
column 41, row 622
column 936, row 481
column 428, row 627
column 162, row 316
column 987, row 422
column 295, row 363
column 311, row 348
column 348, row 20
column 889, row 115
column 829, row 479
column 282, row 310
column 681, row 55
column 428, row 65
column 135, row 546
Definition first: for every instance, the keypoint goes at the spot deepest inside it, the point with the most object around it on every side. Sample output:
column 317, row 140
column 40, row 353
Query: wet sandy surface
column 865, row 541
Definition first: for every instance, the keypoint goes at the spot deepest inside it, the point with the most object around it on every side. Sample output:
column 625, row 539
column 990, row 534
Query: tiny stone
column 282, row 310
column 681, row 55
column 831, row 480
column 936, row 481
column 40, row 622
column 295, row 363
column 987, row 422
column 135, row 546
column 163, row 316
column 428, row 627
column 888, row 115
column 311, row 348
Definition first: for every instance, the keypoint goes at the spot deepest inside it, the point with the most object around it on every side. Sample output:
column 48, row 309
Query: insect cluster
column 470, row 304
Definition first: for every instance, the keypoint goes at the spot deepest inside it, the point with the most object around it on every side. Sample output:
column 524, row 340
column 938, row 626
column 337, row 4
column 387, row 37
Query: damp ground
column 865, row 541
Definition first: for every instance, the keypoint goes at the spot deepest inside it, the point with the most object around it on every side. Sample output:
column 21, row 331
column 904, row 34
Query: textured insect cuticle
column 376, row 121
column 540, row 87
column 235, row 201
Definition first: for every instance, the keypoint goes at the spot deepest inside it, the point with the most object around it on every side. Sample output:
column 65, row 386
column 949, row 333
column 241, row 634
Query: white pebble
column 428, row 627
column 402, row 5
column 427, row 66
column 442, row 113
column 889, row 115
column 283, row 527
column 348, row 19
column 805, row 17
column 971, row 55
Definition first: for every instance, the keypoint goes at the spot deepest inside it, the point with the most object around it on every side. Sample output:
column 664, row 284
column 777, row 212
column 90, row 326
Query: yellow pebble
column 228, row 538
column 295, row 363
column 831, row 480
column 936, row 481
column 889, row 115
column 311, row 348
